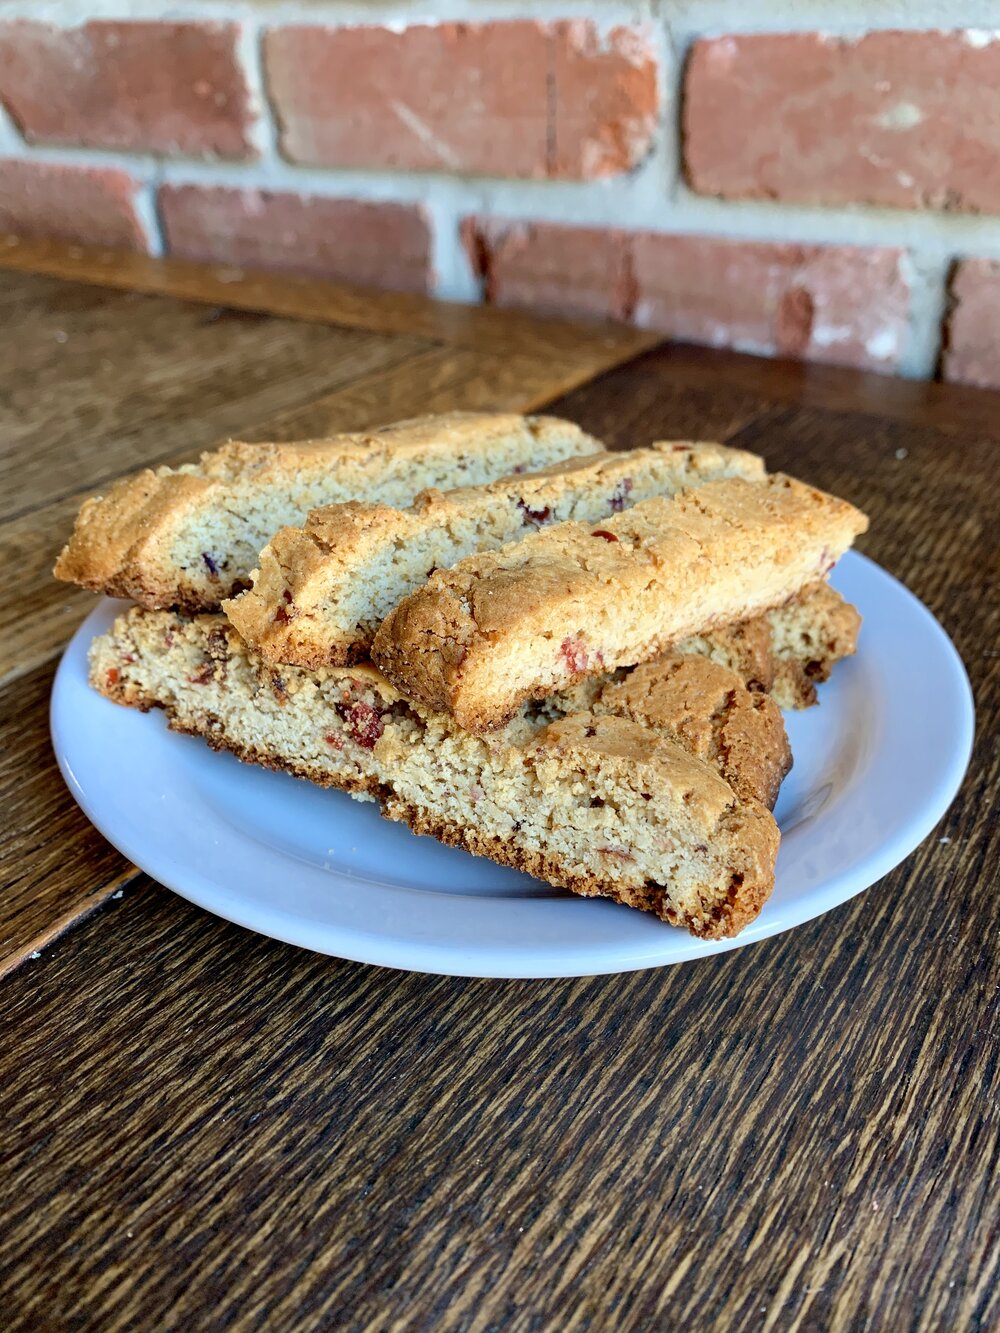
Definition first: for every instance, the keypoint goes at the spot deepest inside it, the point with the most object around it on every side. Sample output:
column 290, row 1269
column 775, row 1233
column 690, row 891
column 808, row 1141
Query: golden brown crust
column 273, row 614
column 714, row 716
column 742, row 904
column 115, row 534
column 517, row 623
column 746, row 647
column 125, row 543
column 303, row 606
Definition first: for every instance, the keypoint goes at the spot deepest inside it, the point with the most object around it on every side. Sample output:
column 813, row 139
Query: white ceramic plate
column 876, row 766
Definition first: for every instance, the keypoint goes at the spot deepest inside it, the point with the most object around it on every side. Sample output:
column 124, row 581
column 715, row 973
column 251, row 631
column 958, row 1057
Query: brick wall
column 791, row 179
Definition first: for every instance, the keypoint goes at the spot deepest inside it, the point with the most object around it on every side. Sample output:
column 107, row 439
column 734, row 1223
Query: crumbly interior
column 190, row 536
column 737, row 732
column 503, row 626
column 321, row 591
column 235, row 528
column 601, row 803
column 790, row 649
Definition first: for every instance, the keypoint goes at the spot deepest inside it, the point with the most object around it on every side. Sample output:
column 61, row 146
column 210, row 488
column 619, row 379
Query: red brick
column 900, row 118
column 172, row 88
column 371, row 244
column 847, row 305
column 842, row 304
column 519, row 99
column 972, row 332
column 606, row 101
column 552, row 270
column 87, row 205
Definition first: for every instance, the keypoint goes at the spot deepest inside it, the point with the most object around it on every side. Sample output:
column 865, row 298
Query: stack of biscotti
column 322, row 590
column 576, row 598
column 189, row 536
column 580, row 664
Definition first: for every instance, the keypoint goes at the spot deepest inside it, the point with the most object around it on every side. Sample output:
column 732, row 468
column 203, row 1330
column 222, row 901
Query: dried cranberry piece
column 286, row 594
column 332, row 739
column 536, row 516
column 282, row 616
column 203, row 675
column 603, row 532
column 363, row 722
column 574, row 654
column 113, row 675
column 210, row 564
column 218, row 644
column 621, row 494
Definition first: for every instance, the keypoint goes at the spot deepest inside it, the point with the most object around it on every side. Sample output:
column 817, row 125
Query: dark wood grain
column 96, row 383
column 220, row 1131
column 54, row 865
column 100, row 383
column 212, row 1130
column 952, row 408
column 482, row 328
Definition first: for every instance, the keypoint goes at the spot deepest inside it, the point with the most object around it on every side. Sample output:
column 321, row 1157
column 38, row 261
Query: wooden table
column 206, row 1129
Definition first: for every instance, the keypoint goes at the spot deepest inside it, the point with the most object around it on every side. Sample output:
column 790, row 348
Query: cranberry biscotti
column 657, row 797
column 517, row 623
column 189, row 536
column 322, row 590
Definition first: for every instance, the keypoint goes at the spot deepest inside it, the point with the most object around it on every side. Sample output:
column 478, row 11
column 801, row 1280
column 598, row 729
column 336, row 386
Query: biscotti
column 189, row 536
column 600, row 803
column 523, row 621
column 322, row 590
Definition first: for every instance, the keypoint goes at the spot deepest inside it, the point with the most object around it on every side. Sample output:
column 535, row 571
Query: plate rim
column 447, row 959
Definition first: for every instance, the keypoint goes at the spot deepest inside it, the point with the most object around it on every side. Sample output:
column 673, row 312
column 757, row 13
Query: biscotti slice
column 604, row 807
column 712, row 713
column 598, row 804
column 189, row 536
column 322, row 590
column 521, row 622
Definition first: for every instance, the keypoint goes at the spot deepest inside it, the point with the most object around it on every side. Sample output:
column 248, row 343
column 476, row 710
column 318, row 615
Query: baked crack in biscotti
column 189, row 536
column 523, row 621
column 631, row 807
column 321, row 591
